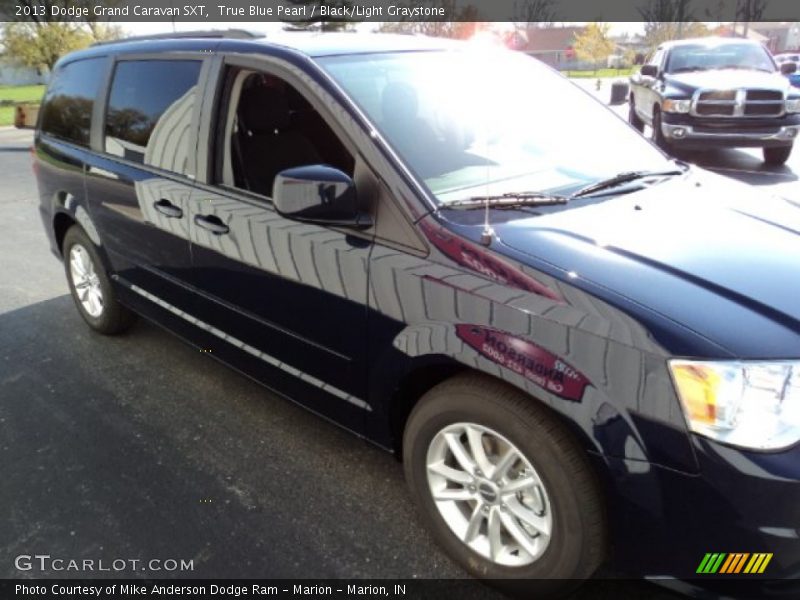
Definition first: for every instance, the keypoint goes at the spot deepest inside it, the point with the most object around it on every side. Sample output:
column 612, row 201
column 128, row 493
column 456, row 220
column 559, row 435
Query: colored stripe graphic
column 735, row 562
column 728, row 563
column 711, row 563
column 758, row 563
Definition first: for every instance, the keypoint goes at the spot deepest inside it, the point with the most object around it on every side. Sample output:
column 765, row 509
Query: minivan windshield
column 488, row 121
column 704, row 57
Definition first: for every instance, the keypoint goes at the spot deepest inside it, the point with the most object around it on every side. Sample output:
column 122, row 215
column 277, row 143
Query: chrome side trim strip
column 248, row 348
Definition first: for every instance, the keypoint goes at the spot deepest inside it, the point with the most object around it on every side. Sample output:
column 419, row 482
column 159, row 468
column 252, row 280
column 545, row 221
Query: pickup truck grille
column 738, row 103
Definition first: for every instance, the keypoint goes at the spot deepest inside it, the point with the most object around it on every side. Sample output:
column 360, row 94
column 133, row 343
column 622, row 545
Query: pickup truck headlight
column 671, row 105
column 750, row 404
column 793, row 105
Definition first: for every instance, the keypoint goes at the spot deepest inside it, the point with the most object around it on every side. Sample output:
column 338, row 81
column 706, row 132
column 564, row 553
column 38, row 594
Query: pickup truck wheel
column 658, row 134
column 504, row 488
column 633, row 118
column 90, row 286
column 777, row 156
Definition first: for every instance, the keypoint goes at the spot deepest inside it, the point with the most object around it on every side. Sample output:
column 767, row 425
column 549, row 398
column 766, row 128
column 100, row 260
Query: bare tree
column 534, row 13
column 466, row 21
column 750, row 10
column 319, row 23
column 530, row 15
column 668, row 20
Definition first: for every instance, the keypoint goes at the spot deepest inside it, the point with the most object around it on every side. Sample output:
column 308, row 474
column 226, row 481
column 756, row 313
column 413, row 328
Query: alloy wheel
column 489, row 494
column 85, row 281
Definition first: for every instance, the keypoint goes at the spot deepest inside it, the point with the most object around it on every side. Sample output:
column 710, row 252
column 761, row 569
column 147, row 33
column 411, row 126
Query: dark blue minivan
column 584, row 351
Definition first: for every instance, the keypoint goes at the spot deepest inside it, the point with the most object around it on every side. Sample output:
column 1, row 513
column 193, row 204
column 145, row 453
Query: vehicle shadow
column 739, row 164
column 140, row 446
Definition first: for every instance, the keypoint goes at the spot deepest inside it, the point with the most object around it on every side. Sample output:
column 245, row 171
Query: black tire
column 658, row 134
column 777, row 156
column 578, row 543
column 114, row 318
column 633, row 118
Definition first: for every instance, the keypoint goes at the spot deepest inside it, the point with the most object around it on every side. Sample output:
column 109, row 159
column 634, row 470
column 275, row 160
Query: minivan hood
column 728, row 79
column 708, row 253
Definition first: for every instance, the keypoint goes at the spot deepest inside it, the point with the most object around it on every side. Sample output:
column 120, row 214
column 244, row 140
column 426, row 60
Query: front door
column 286, row 300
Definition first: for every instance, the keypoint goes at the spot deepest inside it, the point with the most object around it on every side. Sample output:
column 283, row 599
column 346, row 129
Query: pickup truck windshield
column 488, row 122
column 703, row 57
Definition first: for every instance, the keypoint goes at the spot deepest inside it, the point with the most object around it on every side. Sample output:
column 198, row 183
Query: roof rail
column 236, row 34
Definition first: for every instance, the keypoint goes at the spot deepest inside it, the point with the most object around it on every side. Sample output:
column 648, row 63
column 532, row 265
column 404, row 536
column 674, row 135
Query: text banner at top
column 243, row 11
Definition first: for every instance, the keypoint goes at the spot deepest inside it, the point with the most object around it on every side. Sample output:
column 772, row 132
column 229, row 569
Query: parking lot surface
column 140, row 447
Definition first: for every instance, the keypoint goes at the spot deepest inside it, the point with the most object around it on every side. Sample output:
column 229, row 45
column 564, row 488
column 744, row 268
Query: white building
column 11, row 74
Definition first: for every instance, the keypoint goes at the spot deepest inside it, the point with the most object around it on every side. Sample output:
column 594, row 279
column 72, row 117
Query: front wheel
column 503, row 486
column 777, row 155
column 90, row 286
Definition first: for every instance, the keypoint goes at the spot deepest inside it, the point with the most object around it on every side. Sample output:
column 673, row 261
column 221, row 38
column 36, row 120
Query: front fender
column 587, row 360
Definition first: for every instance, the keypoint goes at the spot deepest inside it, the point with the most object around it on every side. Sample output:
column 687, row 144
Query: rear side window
column 67, row 106
column 150, row 108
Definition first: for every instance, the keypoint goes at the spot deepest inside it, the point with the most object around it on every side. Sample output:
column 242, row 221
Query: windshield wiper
column 509, row 200
column 621, row 178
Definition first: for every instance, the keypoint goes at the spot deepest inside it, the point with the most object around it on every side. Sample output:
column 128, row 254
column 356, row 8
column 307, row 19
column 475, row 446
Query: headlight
column 793, row 105
column 676, row 106
column 750, row 404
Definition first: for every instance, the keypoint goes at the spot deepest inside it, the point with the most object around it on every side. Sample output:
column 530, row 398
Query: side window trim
column 99, row 111
column 202, row 83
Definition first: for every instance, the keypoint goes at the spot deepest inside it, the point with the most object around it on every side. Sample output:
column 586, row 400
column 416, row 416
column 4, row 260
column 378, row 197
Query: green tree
column 593, row 44
column 40, row 45
column 39, row 41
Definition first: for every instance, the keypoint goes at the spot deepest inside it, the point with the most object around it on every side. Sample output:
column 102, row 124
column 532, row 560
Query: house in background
column 11, row 74
column 555, row 46
column 729, row 30
column 780, row 36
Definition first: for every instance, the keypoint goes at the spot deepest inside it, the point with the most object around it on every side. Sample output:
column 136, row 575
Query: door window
column 150, row 109
column 68, row 104
column 268, row 126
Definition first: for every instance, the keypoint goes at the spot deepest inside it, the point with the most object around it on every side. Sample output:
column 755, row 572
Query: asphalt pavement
column 139, row 447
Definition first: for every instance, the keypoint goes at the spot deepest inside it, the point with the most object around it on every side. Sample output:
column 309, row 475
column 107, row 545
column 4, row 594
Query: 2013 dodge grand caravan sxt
column 582, row 350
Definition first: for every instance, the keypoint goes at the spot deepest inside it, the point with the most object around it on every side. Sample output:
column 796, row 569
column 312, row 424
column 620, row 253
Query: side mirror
column 787, row 68
column 318, row 194
column 649, row 71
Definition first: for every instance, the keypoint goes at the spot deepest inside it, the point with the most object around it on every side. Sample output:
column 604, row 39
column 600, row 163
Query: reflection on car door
column 140, row 182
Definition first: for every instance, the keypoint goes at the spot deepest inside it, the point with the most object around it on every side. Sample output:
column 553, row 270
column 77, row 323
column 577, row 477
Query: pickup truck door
column 646, row 94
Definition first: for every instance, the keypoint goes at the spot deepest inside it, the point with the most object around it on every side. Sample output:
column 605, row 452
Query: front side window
column 267, row 126
column 481, row 122
column 150, row 108
column 67, row 106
